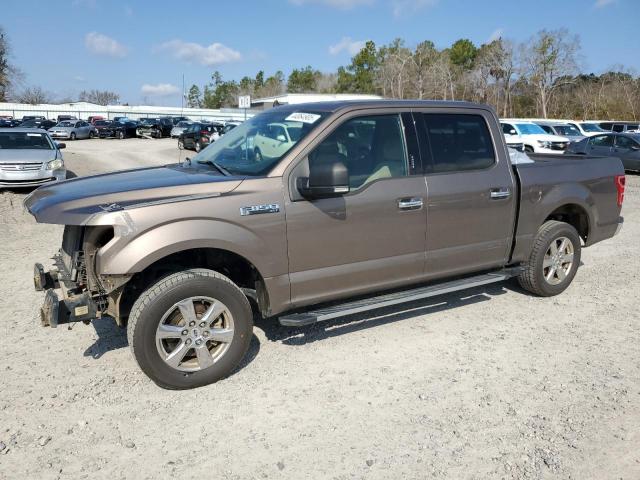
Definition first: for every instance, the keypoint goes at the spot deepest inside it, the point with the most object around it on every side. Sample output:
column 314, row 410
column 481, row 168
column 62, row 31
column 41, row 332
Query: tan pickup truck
column 359, row 205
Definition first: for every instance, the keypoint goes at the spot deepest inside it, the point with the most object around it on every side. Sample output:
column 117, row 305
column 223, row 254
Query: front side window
column 618, row 128
column 568, row 130
column 602, row 141
column 459, row 142
column 372, row 148
column 547, row 129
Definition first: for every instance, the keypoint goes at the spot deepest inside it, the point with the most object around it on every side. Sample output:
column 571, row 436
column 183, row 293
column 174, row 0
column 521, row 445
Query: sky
column 141, row 49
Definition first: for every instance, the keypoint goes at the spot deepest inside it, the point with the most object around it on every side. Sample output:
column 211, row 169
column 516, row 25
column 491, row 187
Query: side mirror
column 281, row 138
column 61, row 145
column 512, row 132
column 325, row 180
column 635, row 147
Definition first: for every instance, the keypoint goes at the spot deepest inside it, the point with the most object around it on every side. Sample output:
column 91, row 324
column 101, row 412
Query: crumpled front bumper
column 62, row 304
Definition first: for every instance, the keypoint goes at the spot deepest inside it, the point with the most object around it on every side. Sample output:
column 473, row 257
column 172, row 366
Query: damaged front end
column 74, row 291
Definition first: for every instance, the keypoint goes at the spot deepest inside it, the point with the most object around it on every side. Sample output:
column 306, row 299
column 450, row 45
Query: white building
column 294, row 98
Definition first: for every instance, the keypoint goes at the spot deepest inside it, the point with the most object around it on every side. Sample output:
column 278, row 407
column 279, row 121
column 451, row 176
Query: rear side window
column 626, row 142
column 458, row 142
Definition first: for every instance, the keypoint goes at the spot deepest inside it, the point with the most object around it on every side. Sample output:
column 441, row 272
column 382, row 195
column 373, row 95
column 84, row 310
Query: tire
column 158, row 304
column 120, row 135
column 198, row 146
column 180, row 145
column 91, row 134
column 538, row 276
column 257, row 155
column 72, row 136
column 528, row 149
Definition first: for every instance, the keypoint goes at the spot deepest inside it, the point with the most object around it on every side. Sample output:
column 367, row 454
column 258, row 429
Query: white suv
column 535, row 139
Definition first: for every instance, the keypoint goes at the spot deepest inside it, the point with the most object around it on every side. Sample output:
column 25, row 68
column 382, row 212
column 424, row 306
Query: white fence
column 83, row 110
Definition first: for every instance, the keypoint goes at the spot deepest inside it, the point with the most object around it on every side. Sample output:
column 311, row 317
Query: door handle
column 413, row 203
column 500, row 193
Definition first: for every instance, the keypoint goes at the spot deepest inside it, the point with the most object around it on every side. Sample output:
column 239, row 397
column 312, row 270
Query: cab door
column 471, row 192
column 371, row 238
column 600, row 145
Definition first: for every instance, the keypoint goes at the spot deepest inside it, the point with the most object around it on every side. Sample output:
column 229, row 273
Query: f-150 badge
column 258, row 209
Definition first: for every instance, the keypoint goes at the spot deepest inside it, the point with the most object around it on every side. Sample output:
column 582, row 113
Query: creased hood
column 75, row 201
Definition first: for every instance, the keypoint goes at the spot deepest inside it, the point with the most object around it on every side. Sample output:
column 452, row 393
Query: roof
column 335, row 106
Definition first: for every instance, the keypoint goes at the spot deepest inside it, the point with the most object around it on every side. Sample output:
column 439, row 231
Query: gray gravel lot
column 490, row 383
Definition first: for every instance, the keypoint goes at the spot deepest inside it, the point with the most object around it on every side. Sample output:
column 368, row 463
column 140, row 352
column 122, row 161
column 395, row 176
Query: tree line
column 537, row 78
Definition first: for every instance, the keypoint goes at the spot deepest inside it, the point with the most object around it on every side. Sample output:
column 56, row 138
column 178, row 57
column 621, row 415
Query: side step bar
column 342, row 310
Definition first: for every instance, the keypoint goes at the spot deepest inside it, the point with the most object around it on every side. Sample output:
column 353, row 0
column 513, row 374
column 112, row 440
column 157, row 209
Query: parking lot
column 488, row 383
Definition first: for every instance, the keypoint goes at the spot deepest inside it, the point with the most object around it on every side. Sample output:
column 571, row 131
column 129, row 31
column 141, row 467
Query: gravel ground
column 490, row 383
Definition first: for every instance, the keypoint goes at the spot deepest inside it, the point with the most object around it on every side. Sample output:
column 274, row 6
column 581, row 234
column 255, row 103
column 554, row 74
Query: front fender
column 125, row 255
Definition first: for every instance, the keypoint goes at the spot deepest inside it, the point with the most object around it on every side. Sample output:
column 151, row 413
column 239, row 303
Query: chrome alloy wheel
column 558, row 261
column 194, row 333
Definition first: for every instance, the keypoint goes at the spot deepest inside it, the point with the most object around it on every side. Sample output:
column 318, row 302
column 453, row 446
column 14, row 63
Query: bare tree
column 549, row 61
column 99, row 97
column 10, row 76
column 33, row 96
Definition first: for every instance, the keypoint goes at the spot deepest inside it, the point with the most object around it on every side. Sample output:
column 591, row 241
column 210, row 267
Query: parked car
column 535, row 139
column 561, row 129
column 29, row 158
column 155, row 127
column 619, row 127
column 42, row 124
column 121, row 119
column 273, row 139
column 94, row 118
column 196, row 137
column 179, row 128
column 228, row 127
column 177, row 120
column 119, row 130
column 216, row 132
column 625, row 146
column 73, row 130
column 33, row 117
column 369, row 196
column 62, row 118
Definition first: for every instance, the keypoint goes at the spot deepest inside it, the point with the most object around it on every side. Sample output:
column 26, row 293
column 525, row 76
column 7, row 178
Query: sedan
column 72, row 130
column 29, row 158
column 180, row 128
column 42, row 124
column 625, row 146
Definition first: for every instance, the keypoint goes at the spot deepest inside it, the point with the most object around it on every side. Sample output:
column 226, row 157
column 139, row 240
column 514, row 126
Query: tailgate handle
column 500, row 193
column 413, row 203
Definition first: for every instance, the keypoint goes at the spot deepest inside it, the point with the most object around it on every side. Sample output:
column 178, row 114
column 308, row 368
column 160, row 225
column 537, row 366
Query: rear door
column 373, row 237
column 470, row 191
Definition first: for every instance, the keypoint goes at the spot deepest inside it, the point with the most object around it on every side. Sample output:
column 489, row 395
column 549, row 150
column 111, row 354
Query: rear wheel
column 190, row 329
column 91, row 134
column 554, row 259
column 120, row 135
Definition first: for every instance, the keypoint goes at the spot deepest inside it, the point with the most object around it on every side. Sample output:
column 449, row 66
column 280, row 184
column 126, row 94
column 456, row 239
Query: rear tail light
column 204, row 132
column 620, row 181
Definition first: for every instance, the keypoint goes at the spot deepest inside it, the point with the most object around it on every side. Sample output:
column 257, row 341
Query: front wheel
column 198, row 146
column 120, row 135
column 190, row 329
column 72, row 136
column 91, row 134
column 554, row 259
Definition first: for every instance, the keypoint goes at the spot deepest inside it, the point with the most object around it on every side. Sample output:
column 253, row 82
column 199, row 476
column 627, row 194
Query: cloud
column 403, row 8
column 100, row 44
column 495, row 35
column 341, row 4
column 79, row 78
column 348, row 45
column 213, row 54
column 604, row 3
column 159, row 90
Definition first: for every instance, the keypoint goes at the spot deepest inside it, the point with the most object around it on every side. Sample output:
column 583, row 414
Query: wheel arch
column 575, row 215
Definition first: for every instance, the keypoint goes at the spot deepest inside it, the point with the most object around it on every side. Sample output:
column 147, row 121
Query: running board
column 342, row 310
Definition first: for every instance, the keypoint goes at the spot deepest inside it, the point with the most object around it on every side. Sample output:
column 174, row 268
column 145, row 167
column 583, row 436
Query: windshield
column 66, row 124
column 101, row 123
column 183, row 124
column 149, row 121
column 529, row 129
column 591, row 127
column 568, row 130
column 257, row 145
column 24, row 141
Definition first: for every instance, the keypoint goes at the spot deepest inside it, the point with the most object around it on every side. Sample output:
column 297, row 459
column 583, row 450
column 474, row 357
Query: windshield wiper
column 222, row 170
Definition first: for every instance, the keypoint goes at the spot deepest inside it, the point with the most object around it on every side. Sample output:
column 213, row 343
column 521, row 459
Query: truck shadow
column 111, row 337
column 375, row 318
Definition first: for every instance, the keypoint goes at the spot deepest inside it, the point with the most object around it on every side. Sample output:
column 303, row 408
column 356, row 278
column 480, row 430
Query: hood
column 546, row 137
column 26, row 156
column 75, row 201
